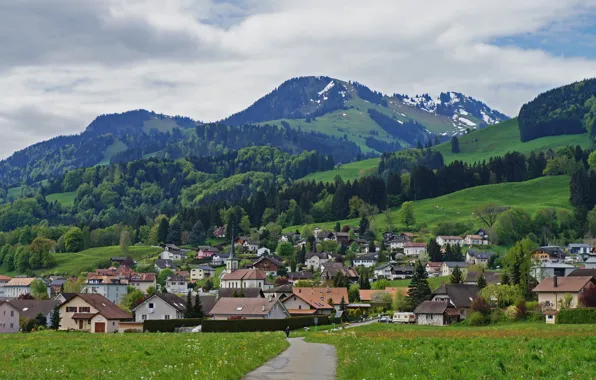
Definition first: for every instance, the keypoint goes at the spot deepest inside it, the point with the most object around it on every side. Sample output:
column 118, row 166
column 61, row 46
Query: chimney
column 555, row 281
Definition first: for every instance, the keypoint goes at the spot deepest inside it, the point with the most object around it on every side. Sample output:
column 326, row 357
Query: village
column 245, row 281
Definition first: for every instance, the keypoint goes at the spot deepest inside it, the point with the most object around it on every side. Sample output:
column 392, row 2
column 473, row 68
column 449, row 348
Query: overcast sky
column 63, row 62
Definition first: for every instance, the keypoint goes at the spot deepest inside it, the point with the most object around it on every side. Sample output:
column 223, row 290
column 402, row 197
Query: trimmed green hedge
column 577, row 316
column 169, row 325
column 248, row 325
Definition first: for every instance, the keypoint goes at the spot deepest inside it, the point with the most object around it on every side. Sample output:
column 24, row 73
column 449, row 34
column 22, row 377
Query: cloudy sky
column 63, row 62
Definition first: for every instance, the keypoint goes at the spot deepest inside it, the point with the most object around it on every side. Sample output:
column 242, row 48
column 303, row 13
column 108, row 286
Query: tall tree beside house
column 407, row 214
column 372, row 248
column 354, row 293
column 481, row 281
column 39, row 290
column 285, row 249
column 456, row 276
column 330, row 302
column 73, row 240
column 454, row 145
column 189, row 311
column 55, row 318
column 337, row 227
column 198, row 307
column 163, row 276
column 41, row 320
column 151, row 291
column 174, row 233
column 419, row 289
column 197, row 234
column 434, row 250
column 124, row 242
column 364, row 225
column 162, row 230
column 342, row 304
column 301, row 256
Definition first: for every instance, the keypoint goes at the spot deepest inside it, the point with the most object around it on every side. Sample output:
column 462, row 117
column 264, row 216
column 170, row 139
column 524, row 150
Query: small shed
column 551, row 317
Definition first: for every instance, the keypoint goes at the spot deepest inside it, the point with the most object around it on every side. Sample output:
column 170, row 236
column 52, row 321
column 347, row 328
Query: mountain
column 354, row 111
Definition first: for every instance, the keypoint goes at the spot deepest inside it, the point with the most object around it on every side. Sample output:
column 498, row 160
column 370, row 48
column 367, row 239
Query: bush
column 480, row 305
column 169, row 325
column 534, row 311
column 511, row 313
column 249, row 325
column 497, row 316
column 477, row 319
column 522, row 310
column 577, row 316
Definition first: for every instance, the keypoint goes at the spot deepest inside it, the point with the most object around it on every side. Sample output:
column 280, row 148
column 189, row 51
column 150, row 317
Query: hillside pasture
column 347, row 172
column 66, row 199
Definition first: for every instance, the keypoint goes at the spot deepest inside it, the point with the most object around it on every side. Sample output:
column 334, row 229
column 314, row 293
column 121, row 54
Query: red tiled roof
column 318, row 297
column 105, row 307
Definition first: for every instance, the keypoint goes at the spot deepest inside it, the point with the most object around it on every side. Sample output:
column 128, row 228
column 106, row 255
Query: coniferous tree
column 454, row 145
column 419, row 289
column 197, row 234
column 433, row 250
column 174, row 233
column 55, row 318
column 162, row 230
column 342, row 304
column 198, row 307
column 481, row 281
column 189, row 312
column 337, row 227
column 456, row 276
column 364, row 225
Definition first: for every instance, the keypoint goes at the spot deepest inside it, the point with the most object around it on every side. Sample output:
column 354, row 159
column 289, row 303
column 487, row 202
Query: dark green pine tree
column 342, row 304
column 55, row 318
column 197, row 234
column 364, row 225
column 419, row 290
column 198, row 307
column 456, row 276
column 454, row 145
column 189, row 312
column 434, row 251
column 481, row 281
column 337, row 227
column 174, row 233
column 162, row 230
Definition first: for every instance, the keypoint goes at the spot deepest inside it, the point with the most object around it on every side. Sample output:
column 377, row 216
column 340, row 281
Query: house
column 447, row 267
column 308, row 301
column 3, row 281
column 123, row 260
column 219, row 258
column 459, row 296
column 550, row 269
column 551, row 291
column 251, row 245
column 315, row 260
column 249, row 308
column 368, row 260
column 551, row 317
column 9, row 318
column 56, row 285
column 177, row 284
column 263, row 251
column 172, row 254
column 280, row 292
column 583, row 273
column 268, row 264
column 373, row 296
column 299, row 276
column 91, row 312
column 31, row 308
column 492, row 278
column 343, row 238
column 114, row 288
column 548, row 253
column 202, row 272
column 248, row 292
column 449, row 240
column 397, row 241
column 162, row 306
column 414, row 249
column 245, row 278
column 206, row 252
column 476, row 240
column 590, row 263
column 142, row 281
column 436, row 313
column 433, row 268
column 579, row 249
column 401, row 272
column 482, row 232
column 478, row 258
column 63, row 297
column 18, row 286
column 161, row 264
column 330, row 270
column 383, row 270
column 220, row 232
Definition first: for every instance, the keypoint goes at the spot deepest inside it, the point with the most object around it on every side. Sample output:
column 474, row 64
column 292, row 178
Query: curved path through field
column 300, row 361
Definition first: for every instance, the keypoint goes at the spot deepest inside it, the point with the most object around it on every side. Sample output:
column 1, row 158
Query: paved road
column 300, row 361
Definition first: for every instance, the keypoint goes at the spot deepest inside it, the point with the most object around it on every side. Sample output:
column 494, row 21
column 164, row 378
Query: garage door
column 100, row 327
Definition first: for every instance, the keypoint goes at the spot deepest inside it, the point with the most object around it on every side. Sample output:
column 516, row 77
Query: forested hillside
column 565, row 110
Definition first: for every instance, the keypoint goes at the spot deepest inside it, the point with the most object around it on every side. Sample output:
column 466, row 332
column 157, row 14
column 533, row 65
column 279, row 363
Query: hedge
column 169, row 325
column 577, row 316
column 247, row 325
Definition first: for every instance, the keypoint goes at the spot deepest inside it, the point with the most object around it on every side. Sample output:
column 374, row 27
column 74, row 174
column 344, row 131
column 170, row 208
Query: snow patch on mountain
column 327, row 88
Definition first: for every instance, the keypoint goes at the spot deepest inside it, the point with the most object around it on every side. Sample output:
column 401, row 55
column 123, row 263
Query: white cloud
column 66, row 61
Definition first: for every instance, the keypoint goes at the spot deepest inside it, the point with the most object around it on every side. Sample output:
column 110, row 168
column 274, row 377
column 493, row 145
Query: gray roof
column 320, row 255
column 383, row 266
column 431, row 307
column 480, row 255
column 368, row 256
column 304, row 275
column 453, row 264
column 591, row 260
column 178, row 277
column 164, row 263
column 179, row 303
column 579, row 245
column 248, row 292
column 30, row 308
column 205, row 267
column 557, row 265
column 403, row 269
column 285, row 288
column 583, row 273
column 461, row 295
column 490, row 277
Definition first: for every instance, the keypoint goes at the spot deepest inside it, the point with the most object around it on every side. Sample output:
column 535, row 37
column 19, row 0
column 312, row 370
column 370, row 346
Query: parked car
column 404, row 318
column 385, row 319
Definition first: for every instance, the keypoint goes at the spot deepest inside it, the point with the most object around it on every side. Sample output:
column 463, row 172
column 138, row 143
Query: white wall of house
column 294, row 302
column 16, row 291
column 201, row 274
column 443, row 242
column 430, row 319
column 364, row 262
column 554, row 299
column 143, row 285
column 242, row 284
column 169, row 255
column 414, row 251
column 315, row 262
column 114, row 292
column 9, row 319
column 160, row 310
column 384, row 272
column 177, row 287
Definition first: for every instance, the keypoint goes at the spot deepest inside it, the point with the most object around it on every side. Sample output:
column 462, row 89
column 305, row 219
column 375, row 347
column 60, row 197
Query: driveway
column 300, row 361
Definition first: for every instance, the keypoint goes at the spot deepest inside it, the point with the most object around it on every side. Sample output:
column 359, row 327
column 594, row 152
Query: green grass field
column 116, row 147
column 87, row 260
column 347, row 172
column 67, row 199
column 499, row 139
column 545, row 192
column 516, row 351
column 61, row 355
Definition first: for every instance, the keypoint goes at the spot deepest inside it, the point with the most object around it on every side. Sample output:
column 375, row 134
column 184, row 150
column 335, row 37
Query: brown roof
column 450, row 237
column 243, row 306
column 333, row 268
column 5, row 278
column 20, row 281
column 318, row 297
column 142, row 277
column 474, row 237
column 367, row 294
column 583, row 273
column 84, row 316
column 246, row 274
column 564, row 284
column 30, row 308
column 431, row 307
column 302, row 311
column 435, row 264
column 105, row 307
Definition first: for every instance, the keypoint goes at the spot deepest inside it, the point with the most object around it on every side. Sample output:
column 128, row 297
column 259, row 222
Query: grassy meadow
column 545, row 192
column 524, row 350
column 61, row 355
column 347, row 172
column 67, row 199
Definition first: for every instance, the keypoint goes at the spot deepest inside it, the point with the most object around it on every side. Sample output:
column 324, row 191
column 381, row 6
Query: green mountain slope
column 545, row 192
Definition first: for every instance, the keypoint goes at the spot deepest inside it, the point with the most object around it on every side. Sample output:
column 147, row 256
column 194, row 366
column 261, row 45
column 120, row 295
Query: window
column 429, row 316
column 144, row 317
column 12, row 313
column 299, row 306
column 151, row 306
column 166, row 317
column 71, row 309
column 550, row 317
column 84, row 310
column 12, row 325
column 113, row 323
